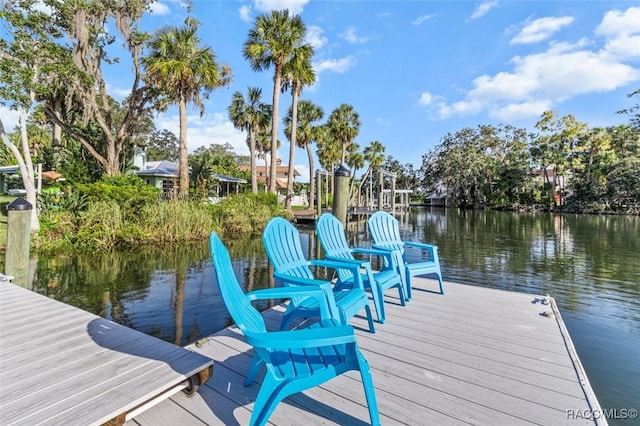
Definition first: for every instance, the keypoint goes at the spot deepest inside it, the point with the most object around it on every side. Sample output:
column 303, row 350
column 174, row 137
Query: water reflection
column 588, row 263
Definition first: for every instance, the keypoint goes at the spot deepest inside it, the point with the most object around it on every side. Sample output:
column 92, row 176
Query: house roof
column 263, row 169
column 162, row 168
column 230, row 179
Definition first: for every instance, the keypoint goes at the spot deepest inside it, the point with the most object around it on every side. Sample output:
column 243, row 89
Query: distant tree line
column 566, row 166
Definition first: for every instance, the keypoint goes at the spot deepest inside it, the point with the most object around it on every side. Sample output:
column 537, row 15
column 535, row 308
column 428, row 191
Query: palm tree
column 298, row 73
column 374, row 155
column 344, row 126
column 250, row 115
column 308, row 112
column 271, row 42
column 185, row 72
column 263, row 149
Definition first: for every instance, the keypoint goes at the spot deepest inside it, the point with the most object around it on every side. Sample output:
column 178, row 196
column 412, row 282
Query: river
column 589, row 264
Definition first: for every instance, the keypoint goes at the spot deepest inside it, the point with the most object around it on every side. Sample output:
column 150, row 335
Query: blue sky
column 417, row 70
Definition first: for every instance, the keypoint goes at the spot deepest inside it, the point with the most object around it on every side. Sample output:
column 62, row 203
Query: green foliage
column 71, row 201
column 127, row 191
column 246, row 214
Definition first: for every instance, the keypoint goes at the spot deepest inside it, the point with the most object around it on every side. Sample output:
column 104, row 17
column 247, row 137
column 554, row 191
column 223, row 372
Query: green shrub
column 128, row 191
column 246, row 214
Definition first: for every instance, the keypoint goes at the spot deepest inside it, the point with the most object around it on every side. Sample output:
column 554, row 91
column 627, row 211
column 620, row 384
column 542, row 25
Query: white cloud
column 314, row 37
column 303, row 169
column 622, row 31
column 421, row 19
column 245, row 13
column 158, row 8
column 10, row 118
column 541, row 29
column 483, row 8
column 515, row 111
column 383, row 121
column 617, row 23
column 336, row 65
column 118, row 93
column 351, row 36
column 425, row 99
column 294, row 6
column 540, row 80
column 212, row 128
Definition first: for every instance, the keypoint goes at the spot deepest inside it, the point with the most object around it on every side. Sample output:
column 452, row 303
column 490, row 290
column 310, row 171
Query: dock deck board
column 472, row 356
column 62, row 365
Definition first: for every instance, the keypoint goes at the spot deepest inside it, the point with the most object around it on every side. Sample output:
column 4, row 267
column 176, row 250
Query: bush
column 246, row 214
column 128, row 191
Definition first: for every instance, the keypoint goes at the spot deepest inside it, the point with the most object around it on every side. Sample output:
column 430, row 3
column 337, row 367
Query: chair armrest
column 326, row 299
column 386, row 254
column 432, row 249
column 420, row 245
column 359, row 262
column 291, row 279
column 287, row 292
column 354, row 267
column 305, row 338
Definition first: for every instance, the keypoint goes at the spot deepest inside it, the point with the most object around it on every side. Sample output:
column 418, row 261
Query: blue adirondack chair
column 282, row 244
column 332, row 238
column 385, row 234
column 295, row 360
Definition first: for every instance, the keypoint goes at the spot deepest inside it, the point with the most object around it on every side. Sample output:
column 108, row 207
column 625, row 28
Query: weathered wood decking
column 60, row 365
column 472, row 356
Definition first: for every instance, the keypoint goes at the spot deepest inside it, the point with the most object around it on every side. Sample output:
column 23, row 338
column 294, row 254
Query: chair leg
column 378, row 302
column 440, row 282
column 401, row 294
column 268, row 397
column 369, row 390
column 256, row 363
column 369, row 318
column 407, row 281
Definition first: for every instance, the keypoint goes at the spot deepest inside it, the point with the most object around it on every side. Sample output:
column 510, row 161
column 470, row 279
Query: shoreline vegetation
column 124, row 213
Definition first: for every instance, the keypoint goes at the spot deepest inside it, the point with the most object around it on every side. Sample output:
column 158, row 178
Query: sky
column 417, row 70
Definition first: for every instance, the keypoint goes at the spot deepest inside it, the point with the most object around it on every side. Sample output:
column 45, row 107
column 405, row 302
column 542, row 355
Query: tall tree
column 69, row 46
column 308, row 112
column 250, row 115
column 183, row 71
column 271, row 43
column 298, row 73
column 343, row 126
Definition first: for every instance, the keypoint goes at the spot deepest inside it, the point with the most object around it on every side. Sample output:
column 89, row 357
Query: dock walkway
column 472, row 356
column 60, row 365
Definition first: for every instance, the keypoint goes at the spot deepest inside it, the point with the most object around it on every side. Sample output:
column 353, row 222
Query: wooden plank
column 94, row 370
column 472, row 356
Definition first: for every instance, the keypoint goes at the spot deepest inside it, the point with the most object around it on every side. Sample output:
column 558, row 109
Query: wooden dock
column 60, row 365
column 472, row 356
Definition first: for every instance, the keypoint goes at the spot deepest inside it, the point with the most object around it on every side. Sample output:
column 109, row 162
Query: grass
column 5, row 200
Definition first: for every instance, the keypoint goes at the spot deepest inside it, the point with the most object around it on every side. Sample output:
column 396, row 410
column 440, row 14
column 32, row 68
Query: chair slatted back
column 385, row 231
column 244, row 314
column 334, row 243
column 282, row 243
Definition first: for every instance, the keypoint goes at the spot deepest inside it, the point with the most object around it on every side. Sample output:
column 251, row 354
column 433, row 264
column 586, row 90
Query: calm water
column 588, row 263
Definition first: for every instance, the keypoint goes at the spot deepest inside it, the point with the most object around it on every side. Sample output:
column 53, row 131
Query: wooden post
column 18, row 240
column 318, row 195
column 341, row 194
column 393, row 194
column 380, row 189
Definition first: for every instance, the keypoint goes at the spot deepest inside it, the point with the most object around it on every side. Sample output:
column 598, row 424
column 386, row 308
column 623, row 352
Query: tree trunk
column 183, row 172
column 252, row 161
column 26, row 167
column 274, row 129
column 312, row 182
column 292, row 146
